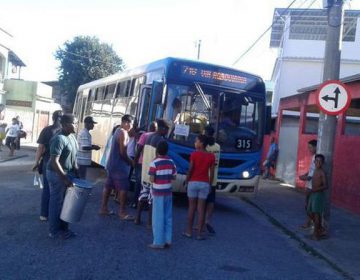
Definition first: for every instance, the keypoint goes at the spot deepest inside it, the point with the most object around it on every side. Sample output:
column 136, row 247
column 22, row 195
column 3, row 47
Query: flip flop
column 127, row 217
column 109, row 213
column 187, row 235
column 200, row 237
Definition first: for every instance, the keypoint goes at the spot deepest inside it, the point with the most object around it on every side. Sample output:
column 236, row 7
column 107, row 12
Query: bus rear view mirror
column 157, row 92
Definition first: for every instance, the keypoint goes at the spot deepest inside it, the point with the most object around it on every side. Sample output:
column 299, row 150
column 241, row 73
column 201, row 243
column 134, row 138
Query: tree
column 82, row 60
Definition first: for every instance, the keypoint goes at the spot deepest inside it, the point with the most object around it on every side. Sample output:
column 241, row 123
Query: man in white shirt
column 85, row 147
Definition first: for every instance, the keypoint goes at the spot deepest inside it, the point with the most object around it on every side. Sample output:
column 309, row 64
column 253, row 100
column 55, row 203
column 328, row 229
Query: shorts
column 211, row 196
column 316, row 203
column 198, row 190
column 117, row 183
column 10, row 142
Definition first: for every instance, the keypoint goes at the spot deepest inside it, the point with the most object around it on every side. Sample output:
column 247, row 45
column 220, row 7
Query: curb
column 13, row 158
column 305, row 246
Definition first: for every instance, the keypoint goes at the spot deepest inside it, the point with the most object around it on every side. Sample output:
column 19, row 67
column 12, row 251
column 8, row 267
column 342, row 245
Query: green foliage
column 82, row 60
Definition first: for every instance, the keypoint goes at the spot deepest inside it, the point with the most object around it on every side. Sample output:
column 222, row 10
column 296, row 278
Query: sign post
column 330, row 96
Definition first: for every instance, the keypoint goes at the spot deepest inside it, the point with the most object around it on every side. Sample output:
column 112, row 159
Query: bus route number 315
column 243, row 144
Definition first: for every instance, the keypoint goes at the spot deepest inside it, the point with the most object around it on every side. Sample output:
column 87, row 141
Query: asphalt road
column 246, row 245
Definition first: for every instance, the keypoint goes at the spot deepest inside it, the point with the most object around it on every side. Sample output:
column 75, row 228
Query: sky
column 141, row 31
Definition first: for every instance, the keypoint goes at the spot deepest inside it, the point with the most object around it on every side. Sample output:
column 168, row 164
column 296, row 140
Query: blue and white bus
column 189, row 95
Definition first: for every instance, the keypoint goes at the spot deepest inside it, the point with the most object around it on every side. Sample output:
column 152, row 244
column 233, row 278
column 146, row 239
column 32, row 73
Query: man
column 139, row 159
column 271, row 157
column 118, row 168
column 41, row 159
column 85, row 146
column 60, row 169
column 149, row 153
column 307, row 177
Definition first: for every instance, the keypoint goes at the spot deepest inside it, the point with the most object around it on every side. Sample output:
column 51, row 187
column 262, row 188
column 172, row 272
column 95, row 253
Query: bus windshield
column 235, row 116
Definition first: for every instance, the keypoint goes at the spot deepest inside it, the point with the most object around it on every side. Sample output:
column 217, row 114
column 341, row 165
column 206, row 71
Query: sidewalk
column 23, row 152
column 284, row 206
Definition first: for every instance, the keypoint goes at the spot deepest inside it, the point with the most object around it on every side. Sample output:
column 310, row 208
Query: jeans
column 57, row 194
column 45, row 195
column 162, row 219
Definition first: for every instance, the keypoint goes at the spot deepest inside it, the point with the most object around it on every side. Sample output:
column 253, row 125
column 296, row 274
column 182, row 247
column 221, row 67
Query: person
column 61, row 168
column 21, row 133
column 42, row 157
column 144, row 200
column 307, row 178
column 316, row 203
column 149, row 153
column 162, row 171
column 2, row 134
column 138, row 160
column 118, row 169
column 12, row 133
column 198, row 180
column 214, row 148
column 271, row 157
column 85, row 146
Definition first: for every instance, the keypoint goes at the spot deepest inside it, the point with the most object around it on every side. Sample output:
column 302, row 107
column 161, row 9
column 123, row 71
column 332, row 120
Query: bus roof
column 158, row 64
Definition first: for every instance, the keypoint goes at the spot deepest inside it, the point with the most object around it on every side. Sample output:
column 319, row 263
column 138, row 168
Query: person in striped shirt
column 162, row 171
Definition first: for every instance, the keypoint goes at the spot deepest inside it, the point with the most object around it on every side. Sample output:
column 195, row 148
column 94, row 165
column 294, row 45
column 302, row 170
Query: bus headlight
column 245, row 174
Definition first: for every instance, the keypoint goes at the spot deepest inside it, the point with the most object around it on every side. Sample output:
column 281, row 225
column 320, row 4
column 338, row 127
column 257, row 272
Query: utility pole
column 327, row 123
column 198, row 49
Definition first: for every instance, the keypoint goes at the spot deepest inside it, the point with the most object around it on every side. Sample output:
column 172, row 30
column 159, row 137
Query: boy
column 161, row 172
column 316, row 204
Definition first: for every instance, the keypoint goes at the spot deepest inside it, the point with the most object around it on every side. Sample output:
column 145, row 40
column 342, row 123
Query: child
column 199, row 179
column 12, row 133
column 162, row 171
column 214, row 148
column 316, row 203
column 144, row 200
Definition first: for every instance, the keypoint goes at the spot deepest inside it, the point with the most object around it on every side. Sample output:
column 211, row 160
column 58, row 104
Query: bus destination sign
column 212, row 76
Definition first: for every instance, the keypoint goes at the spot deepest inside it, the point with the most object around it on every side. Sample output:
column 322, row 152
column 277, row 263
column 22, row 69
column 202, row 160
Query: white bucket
column 75, row 201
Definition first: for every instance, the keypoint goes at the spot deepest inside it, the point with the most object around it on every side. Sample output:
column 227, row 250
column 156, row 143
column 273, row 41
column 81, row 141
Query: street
column 246, row 245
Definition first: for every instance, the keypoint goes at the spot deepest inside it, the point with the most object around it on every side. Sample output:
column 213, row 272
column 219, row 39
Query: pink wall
column 346, row 160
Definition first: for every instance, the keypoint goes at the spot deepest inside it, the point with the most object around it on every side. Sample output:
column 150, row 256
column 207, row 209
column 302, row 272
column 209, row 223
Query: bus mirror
column 157, row 91
column 267, row 120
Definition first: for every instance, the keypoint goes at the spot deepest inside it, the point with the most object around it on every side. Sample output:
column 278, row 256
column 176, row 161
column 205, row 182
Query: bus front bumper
column 245, row 186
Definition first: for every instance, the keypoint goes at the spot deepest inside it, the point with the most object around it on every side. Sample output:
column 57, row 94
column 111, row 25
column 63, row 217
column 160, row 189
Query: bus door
column 150, row 104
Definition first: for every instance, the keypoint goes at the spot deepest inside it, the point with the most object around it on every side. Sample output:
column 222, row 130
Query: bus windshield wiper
column 203, row 96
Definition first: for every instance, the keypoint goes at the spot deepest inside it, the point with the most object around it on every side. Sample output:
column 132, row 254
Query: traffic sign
column 333, row 97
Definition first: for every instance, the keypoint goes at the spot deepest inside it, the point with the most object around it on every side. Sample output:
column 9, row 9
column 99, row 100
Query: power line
column 262, row 35
column 90, row 58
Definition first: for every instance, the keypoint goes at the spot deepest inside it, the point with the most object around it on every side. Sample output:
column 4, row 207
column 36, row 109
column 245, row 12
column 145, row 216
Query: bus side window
column 109, row 91
column 120, row 89
column 99, row 94
column 128, row 88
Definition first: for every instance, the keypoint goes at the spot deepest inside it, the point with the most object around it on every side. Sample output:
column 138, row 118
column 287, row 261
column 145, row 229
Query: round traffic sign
column 333, row 97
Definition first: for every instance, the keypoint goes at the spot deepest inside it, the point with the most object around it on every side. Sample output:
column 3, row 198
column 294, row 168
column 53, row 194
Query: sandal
column 108, row 213
column 200, row 238
column 127, row 217
column 187, row 235
column 210, row 229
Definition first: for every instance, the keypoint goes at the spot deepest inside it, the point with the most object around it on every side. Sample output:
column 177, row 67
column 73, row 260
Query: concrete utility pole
column 327, row 123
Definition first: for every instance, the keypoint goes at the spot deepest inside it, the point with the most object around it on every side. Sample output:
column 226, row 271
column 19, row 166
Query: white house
column 300, row 36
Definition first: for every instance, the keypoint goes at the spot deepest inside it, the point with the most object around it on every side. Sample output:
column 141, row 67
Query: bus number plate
column 243, row 144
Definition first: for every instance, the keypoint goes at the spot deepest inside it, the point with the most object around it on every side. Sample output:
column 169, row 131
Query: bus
column 189, row 95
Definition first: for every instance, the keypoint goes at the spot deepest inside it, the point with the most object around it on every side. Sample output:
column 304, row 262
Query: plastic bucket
column 75, row 201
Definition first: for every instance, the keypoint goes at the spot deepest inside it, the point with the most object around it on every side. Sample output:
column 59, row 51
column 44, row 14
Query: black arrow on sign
column 335, row 99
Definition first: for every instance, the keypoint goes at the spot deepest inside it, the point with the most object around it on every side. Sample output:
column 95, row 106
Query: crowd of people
column 61, row 157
